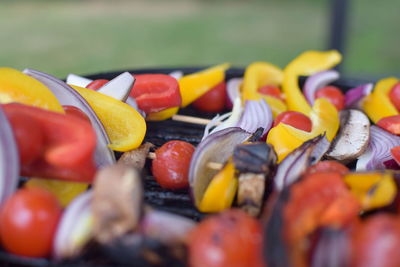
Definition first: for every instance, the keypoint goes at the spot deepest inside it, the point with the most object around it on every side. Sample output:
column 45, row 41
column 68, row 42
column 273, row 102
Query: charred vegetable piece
column 231, row 238
column 136, row 158
column 352, row 138
column 255, row 161
column 117, row 202
column 254, row 157
column 320, row 199
column 251, row 192
column 373, row 190
column 376, row 242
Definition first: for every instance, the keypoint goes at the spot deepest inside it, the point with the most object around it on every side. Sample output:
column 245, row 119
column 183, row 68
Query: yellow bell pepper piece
column 65, row 191
column 221, row 191
column 306, row 64
column 377, row 105
column 162, row 115
column 373, row 190
column 125, row 127
column 194, row 85
column 325, row 119
column 16, row 86
column 257, row 75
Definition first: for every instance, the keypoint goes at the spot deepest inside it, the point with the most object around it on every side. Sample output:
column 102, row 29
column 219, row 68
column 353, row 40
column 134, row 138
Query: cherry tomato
column 271, row 90
column 156, row 92
column 71, row 110
column 171, row 165
column 390, row 124
column 212, row 101
column 376, row 242
column 97, row 84
column 295, row 119
column 394, row 95
column 29, row 137
column 327, row 166
column 231, row 238
column 333, row 94
column 28, row 221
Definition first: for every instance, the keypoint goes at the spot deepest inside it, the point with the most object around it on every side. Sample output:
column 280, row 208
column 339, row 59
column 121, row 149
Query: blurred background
column 84, row 37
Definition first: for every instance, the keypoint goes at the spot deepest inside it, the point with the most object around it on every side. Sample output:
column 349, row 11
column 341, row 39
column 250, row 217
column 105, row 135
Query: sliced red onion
column 378, row 150
column 317, row 81
column 217, row 147
column 176, row 74
column 233, row 90
column 68, row 96
column 224, row 121
column 294, row 165
column 256, row 114
column 355, row 95
column 165, row 226
column 77, row 80
column 119, row 87
column 74, row 228
column 9, row 159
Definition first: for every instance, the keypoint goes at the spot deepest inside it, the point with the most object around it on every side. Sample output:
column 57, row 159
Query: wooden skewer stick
column 190, row 119
column 211, row 165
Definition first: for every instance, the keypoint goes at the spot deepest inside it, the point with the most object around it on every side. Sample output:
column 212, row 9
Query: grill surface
column 158, row 133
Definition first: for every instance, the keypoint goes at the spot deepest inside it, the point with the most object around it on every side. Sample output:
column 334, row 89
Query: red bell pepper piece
column 395, row 152
column 66, row 143
column 390, row 124
column 156, row 92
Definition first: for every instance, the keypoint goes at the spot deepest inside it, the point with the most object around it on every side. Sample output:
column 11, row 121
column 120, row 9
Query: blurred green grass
column 61, row 37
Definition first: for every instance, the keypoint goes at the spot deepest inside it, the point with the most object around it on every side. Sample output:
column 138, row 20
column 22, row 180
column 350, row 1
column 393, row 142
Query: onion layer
column 256, row 114
column 354, row 96
column 317, row 81
column 9, row 159
column 378, row 150
column 74, row 229
column 68, row 96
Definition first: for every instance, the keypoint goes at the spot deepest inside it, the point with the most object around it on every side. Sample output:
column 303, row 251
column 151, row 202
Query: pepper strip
column 377, row 105
column 123, row 124
column 285, row 138
column 257, row 75
column 194, row 85
column 306, row 64
column 373, row 190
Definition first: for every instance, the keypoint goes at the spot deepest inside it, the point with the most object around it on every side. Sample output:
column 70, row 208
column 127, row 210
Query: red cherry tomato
column 327, row 166
column 390, row 124
column 333, row 94
column 171, row 165
column 376, row 242
column 394, row 95
column 296, row 119
column 28, row 221
column 97, row 84
column 212, row 101
column 231, row 238
column 271, row 90
column 29, row 137
column 156, row 92
column 74, row 111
